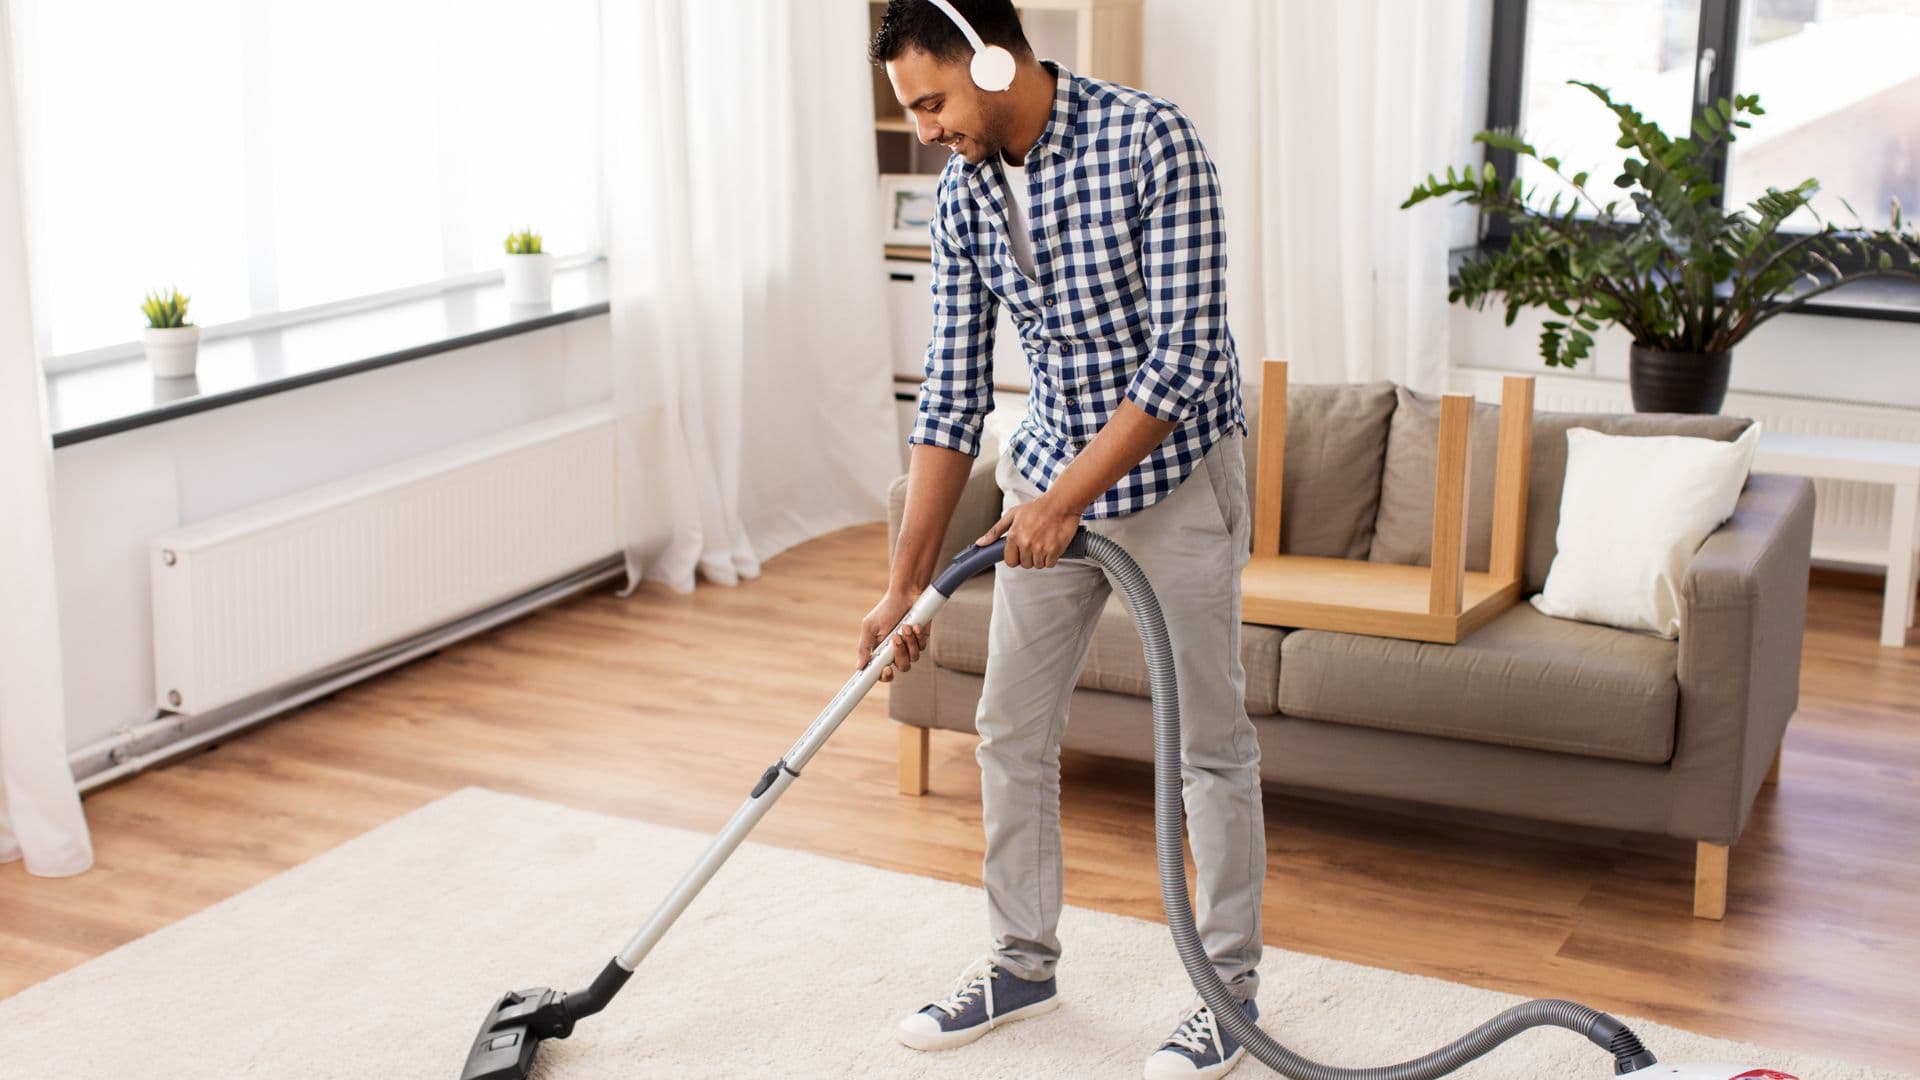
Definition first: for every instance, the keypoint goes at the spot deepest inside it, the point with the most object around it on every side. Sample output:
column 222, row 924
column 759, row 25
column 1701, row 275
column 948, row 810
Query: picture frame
column 906, row 207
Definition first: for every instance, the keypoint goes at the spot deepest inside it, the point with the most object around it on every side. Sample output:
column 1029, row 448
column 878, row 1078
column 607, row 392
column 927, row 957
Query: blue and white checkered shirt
column 1130, row 302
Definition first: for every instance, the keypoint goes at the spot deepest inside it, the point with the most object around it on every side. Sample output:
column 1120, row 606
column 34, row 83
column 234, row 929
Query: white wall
column 112, row 494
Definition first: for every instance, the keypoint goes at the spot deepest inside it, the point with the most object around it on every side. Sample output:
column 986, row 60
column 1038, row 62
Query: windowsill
column 121, row 395
column 1887, row 298
column 1875, row 298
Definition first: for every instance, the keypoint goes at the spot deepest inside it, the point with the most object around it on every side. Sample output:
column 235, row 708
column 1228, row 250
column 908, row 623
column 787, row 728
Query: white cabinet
column 910, row 320
column 910, row 317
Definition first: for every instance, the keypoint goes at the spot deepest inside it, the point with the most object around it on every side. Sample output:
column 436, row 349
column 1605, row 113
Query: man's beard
column 987, row 144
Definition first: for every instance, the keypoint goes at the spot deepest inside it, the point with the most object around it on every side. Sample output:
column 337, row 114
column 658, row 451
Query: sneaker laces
column 1198, row 1032
column 978, row 978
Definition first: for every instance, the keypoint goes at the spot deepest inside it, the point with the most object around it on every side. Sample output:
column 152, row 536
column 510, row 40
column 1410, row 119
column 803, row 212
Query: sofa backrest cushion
column 1403, row 530
column 1336, row 446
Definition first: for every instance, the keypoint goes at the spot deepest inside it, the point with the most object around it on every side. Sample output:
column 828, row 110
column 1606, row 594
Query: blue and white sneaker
column 984, row 997
column 1198, row 1048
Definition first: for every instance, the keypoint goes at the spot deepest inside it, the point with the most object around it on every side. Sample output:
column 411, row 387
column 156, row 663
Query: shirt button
column 1072, row 401
column 1066, row 350
column 1049, row 301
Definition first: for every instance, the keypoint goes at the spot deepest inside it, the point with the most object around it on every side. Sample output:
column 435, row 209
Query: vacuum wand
column 781, row 774
column 519, row 1020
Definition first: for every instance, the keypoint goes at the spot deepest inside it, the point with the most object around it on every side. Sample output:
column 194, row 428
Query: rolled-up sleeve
column 958, row 391
column 1183, row 256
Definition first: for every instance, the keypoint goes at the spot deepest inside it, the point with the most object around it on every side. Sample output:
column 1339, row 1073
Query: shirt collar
column 1061, row 134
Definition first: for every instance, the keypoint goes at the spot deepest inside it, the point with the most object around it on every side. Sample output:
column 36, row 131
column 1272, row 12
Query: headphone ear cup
column 992, row 68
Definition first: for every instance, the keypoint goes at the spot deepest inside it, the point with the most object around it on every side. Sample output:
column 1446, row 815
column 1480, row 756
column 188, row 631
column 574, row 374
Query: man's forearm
column 935, row 478
column 1128, row 436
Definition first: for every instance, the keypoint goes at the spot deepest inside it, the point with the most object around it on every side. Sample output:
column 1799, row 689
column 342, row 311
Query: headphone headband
column 993, row 66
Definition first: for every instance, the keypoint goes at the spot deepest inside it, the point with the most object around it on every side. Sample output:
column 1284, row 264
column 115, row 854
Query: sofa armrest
column 1743, row 616
column 973, row 515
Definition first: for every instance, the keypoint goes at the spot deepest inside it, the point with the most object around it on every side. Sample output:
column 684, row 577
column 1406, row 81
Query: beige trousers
column 1192, row 545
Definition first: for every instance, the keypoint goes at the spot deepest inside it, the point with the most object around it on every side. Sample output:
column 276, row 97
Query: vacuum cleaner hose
column 520, row 1020
column 1169, row 842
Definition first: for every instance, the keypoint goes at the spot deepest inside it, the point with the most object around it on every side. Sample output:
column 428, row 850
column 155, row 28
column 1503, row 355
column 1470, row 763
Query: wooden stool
column 1442, row 603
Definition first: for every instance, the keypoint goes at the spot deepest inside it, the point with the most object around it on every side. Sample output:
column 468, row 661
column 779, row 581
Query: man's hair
column 917, row 24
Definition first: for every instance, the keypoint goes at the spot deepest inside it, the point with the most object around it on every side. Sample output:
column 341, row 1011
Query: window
column 271, row 155
column 1646, row 61
column 1841, row 85
column 1840, row 80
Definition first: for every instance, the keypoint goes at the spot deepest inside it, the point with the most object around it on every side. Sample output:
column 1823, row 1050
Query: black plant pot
column 1678, row 382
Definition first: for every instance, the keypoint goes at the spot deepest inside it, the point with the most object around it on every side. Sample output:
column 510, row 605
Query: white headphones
column 992, row 66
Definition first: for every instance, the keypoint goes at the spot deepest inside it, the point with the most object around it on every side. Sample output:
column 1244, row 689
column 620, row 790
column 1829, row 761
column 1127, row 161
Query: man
column 1093, row 212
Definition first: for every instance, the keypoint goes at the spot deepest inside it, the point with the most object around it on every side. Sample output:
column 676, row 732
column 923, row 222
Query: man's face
column 947, row 108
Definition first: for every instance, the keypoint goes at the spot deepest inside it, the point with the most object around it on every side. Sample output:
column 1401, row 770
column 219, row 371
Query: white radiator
column 1848, row 517
column 287, row 589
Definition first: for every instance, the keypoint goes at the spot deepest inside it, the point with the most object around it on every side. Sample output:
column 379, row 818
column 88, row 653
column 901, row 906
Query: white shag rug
column 380, row 959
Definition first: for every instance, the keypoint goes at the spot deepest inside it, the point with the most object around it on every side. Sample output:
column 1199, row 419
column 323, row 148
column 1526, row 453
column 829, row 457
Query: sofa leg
column 1710, row 881
column 913, row 760
column 1773, row 773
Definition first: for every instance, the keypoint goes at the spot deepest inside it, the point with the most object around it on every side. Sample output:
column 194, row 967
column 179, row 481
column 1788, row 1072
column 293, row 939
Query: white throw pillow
column 1634, row 510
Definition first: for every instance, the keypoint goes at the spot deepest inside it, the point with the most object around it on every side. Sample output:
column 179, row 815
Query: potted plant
column 1687, row 279
column 172, row 343
column 529, row 270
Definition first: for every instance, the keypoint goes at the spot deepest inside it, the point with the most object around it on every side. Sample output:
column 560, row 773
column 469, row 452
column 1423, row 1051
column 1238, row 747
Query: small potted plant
column 1687, row 279
column 529, row 270
column 172, row 343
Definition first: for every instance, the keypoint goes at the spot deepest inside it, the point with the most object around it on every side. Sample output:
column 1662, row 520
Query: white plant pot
column 171, row 350
column 529, row 278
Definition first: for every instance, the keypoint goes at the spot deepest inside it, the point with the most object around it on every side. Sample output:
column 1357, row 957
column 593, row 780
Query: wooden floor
column 666, row 707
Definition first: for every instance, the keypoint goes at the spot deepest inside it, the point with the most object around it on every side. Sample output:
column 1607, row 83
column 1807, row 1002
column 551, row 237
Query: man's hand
column 907, row 644
column 1037, row 532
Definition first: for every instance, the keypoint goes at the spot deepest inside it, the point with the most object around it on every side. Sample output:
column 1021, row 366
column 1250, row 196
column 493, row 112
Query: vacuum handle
column 974, row 558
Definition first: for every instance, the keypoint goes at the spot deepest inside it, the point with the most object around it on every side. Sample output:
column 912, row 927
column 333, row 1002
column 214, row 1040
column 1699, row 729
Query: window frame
column 1719, row 31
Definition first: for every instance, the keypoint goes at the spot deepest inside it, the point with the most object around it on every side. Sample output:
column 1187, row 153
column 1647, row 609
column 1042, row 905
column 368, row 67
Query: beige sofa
column 1529, row 716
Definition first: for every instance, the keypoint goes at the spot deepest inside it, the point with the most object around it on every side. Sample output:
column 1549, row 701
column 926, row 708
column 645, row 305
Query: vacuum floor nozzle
column 511, row 1034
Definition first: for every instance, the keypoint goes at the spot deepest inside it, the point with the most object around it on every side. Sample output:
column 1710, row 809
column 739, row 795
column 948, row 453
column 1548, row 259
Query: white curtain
column 40, row 818
column 748, row 288
column 1326, row 115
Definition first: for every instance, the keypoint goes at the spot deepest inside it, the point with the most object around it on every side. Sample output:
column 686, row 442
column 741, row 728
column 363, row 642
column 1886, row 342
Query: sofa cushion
column 1548, row 474
column 1524, row 679
column 1403, row 531
column 1634, row 510
column 1115, row 663
column 1336, row 443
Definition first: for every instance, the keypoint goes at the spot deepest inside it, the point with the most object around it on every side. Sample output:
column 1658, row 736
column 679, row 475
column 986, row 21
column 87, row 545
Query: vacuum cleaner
column 520, row 1020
